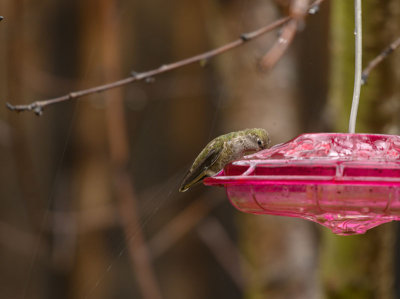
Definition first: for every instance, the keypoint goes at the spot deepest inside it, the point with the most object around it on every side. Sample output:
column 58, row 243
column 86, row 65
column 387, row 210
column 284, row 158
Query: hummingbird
column 223, row 150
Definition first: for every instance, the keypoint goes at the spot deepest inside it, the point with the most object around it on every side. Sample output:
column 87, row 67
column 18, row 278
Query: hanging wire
column 358, row 66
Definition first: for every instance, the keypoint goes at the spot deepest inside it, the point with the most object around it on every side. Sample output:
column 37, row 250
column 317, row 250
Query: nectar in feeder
column 346, row 182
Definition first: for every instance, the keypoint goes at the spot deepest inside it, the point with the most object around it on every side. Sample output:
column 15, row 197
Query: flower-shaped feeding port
column 346, row 182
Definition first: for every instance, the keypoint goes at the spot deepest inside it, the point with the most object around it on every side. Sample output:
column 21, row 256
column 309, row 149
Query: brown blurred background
column 89, row 206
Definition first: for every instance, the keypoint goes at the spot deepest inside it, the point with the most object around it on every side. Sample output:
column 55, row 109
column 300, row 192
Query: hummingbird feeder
column 344, row 181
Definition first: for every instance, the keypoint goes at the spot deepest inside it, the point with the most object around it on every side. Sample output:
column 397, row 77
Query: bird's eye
column 259, row 142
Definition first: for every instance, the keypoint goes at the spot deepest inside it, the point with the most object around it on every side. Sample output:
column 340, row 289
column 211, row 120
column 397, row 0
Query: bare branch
column 315, row 7
column 378, row 59
column 181, row 224
column 298, row 10
column 213, row 234
column 38, row 106
column 279, row 48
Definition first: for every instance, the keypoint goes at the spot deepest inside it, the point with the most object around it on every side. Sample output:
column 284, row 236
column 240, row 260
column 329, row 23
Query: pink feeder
column 346, row 182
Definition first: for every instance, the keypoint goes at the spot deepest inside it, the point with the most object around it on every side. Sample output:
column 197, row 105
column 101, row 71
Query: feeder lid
column 346, row 182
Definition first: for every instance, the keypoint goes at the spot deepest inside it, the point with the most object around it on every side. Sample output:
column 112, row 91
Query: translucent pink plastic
column 346, row 182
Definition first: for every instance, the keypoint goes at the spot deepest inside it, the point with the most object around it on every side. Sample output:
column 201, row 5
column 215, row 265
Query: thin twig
column 215, row 237
column 279, row 48
column 138, row 251
column 298, row 9
column 315, row 7
column 358, row 66
column 378, row 59
column 38, row 106
column 181, row 224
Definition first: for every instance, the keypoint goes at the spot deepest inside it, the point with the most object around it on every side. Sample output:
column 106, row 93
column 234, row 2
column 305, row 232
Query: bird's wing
column 197, row 173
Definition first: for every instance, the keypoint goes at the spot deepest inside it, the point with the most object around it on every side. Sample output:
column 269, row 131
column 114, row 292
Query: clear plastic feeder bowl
column 346, row 182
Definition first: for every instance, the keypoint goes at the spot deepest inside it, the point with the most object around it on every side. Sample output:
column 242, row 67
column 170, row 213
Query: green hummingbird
column 223, row 150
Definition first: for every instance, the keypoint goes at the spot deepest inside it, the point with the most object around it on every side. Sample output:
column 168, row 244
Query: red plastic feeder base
column 346, row 182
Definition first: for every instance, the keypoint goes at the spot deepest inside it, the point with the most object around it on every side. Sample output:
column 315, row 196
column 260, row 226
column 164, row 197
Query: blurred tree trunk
column 363, row 266
column 124, row 190
column 91, row 184
column 282, row 251
column 21, row 205
column 184, row 118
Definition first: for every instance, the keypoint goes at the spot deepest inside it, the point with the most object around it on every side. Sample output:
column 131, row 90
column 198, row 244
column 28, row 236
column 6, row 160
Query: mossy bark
column 362, row 266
